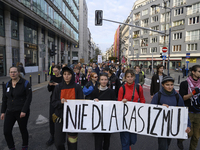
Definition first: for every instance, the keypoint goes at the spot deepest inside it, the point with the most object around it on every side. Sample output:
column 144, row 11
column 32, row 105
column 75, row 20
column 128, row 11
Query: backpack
column 124, row 89
column 177, row 97
column 25, row 84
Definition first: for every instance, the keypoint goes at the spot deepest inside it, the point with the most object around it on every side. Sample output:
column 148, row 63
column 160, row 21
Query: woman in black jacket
column 54, row 81
column 17, row 97
column 102, row 140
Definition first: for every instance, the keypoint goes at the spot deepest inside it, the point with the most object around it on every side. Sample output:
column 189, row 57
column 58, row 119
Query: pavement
column 34, row 78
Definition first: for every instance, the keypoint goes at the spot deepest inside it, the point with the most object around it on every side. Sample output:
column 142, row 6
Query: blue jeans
column 163, row 143
column 127, row 139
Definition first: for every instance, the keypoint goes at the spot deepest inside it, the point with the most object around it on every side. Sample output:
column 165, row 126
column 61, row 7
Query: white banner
column 99, row 58
column 114, row 116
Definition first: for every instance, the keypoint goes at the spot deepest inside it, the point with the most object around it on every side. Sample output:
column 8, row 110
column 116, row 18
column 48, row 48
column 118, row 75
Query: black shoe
column 50, row 141
column 180, row 144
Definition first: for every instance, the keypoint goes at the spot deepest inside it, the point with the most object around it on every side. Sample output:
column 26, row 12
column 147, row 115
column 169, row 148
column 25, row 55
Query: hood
column 163, row 92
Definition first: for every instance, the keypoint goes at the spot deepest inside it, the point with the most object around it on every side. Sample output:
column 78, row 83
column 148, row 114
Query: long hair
column 193, row 68
column 158, row 67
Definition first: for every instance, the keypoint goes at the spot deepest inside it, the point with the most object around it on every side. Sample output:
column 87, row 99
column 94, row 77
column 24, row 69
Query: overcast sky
column 117, row 10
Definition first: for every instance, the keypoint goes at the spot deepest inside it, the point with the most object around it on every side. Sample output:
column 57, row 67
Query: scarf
column 77, row 78
column 102, row 88
column 192, row 84
column 168, row 93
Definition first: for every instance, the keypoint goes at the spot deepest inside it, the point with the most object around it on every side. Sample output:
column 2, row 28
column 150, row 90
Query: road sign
column 187, row 62
column 164, row 54
column 164, row 49
column 164, row 57
column 187, row 55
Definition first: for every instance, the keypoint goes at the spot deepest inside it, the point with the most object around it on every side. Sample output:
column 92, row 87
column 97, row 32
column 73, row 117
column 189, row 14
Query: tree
column 97, row 52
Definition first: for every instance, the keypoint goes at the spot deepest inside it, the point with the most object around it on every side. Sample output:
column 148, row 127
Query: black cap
column 67, row 69
column 167, row 78
column 53, row 61
column 106, row 69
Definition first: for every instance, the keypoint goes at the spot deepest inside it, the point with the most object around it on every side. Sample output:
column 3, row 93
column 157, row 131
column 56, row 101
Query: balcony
column 192, row 38
column 180, row 3
column 190, row 12
column 144, row 24
column 162, row 42
column 144, row 44
column 153, row 12
column 178, row 27
column 136, row 36
column 163, row 19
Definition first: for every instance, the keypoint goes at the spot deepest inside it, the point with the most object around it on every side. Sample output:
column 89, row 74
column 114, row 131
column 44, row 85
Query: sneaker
column 180, row 144
column 50, row 141
column 24, row 147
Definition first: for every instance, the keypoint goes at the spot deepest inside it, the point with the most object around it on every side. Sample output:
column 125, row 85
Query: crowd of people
column 99, row 82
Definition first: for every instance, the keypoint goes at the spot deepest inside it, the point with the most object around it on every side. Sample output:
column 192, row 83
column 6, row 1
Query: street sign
column 187, row 55
column 164, row 54
column 164, row 57
column 187, row 62
column 164, row 49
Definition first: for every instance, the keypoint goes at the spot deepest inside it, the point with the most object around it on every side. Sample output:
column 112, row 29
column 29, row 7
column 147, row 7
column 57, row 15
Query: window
column 30, row 34
column 193, row 35
column 136, row 42
column 153, row 50
column 179, row 2
column 178, row 11
column 154, row 28
column 145, row 22
column 155, row 10
column 31, row 57
column 15, row 56
column 136, row 34
column 177, row 36
column 167, row 17
column 164, row 38
column 144, row 42
column 137, row 23
column 143, row 50
column 154, row 40
column 144, row 12
column 14, row 28
column 176, row 48
column 144, row 32
column 154, row 19
column 163, row 27
column 168, row 4
column 178, row 23
column 192, row 47
column 193, row 20
column 194, row 9
column 136, row 51
column 2, row 27
column 136, row 16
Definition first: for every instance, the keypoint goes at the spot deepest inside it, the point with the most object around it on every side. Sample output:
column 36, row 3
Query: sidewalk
column 35, row 84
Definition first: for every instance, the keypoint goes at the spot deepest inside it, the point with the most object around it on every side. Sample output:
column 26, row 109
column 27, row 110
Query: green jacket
column 141, row 79
column 51, row 71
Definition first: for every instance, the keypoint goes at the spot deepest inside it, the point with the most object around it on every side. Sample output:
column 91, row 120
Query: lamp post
column 170, row 24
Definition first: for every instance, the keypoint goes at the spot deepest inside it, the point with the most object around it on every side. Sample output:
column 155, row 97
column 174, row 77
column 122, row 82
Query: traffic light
column 98, row 18
column 52, row 51
column 161, row 55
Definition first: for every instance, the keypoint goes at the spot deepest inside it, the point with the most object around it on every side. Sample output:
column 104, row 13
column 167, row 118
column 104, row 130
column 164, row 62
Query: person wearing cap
column 51, row 73
column 189, row 90
column 168, row 97
column 156, row 81
column 64, row 91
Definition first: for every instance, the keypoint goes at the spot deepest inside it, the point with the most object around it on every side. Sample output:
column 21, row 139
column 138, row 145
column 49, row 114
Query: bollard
column 30, row 80
column 179, row 79
column 45, row 76
column 3, row 86
column 39, row 78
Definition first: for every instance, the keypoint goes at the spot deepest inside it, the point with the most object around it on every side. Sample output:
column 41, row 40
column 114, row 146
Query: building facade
column 29, row 28
column 185, row 35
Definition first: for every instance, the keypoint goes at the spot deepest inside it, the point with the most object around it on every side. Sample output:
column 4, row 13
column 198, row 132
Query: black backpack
column 177, row 98
column 137, row 88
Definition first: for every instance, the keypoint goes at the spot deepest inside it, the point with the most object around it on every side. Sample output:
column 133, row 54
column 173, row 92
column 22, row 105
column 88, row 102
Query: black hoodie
column 66, row 91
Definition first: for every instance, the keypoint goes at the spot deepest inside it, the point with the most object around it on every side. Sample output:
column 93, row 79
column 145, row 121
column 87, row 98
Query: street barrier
column 179, row 79
column 45, row 76
column 30, row 80
column 39, row 78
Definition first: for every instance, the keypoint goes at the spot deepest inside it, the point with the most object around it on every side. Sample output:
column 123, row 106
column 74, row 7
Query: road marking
column 41, row 120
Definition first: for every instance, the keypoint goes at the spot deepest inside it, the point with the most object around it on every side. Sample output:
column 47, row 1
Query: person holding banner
column 189, row 90
column 102, row 140
column 167, row 96
column 64, row 91
column 130, row 92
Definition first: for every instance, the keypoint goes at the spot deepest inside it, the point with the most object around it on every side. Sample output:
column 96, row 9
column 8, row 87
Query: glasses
column 95, row 76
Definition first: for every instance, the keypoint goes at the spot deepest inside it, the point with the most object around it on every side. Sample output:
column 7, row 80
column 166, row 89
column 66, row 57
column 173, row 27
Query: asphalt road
column 39, row 133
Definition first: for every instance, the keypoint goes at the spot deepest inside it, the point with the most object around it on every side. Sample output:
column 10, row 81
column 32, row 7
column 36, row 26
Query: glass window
column 15, row 56
column 31, row 57
column 30, row 34
column 2, row 27
column 14, row 28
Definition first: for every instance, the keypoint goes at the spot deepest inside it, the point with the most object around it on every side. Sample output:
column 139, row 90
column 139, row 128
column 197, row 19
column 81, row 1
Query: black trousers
column 60, row 138
column 102, row 141
column 10, row 119
column 51, row 123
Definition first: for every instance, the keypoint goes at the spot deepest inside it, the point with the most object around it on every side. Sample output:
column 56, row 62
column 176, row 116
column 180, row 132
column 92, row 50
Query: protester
column 90, row 85
column 64, row 91
column 17, row 97
column 88, row 73
column 130, row 92
column 150, row 68
column 52, row 83
column 102, row 140
column 183, row 71
column 78, row 79
column 114, row 82
column 167, row 96
column 139, row 78
column 189, row 90
column 51, row 70
column 156, row 81
column 83, row 75
column 22, row 70
column 84, row 67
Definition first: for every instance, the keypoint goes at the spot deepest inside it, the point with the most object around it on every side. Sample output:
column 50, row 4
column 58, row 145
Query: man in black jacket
column 67, row 89
column 156, row 81
column 189, row 90
column 114, row 82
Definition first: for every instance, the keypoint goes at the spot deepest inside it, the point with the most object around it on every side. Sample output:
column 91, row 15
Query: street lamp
column 170, row 24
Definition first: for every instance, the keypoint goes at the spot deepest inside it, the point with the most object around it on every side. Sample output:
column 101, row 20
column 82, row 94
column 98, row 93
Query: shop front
column 31, row 57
